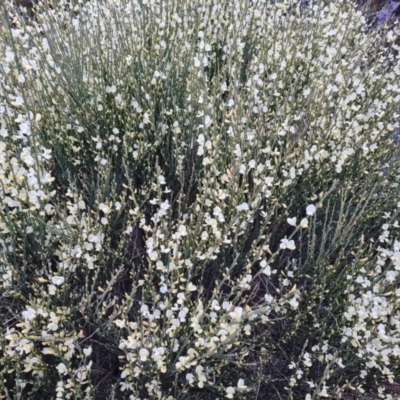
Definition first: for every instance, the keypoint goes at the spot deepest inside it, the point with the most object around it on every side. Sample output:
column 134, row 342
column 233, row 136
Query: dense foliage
column 199, row 200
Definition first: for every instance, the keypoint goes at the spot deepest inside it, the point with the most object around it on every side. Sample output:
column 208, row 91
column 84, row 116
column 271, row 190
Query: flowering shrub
column 198, row 201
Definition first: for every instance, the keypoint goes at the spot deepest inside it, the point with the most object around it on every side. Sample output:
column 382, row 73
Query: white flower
column 163, row 208
column 304, row 223
column 230, row 392
column 57, row 280
column 53, row 325
column 111, row 89
column 200, row 139
column 269, row 298
column 30, row 314
column 340, row 363
column 292, row 221
column 190, row 378
column 241, row 384
column 28, row 160
column 125, row 373
column 161, row 180
column 287, row 182
column 182, row 230
column 163, row 288
column 70, row 219
column 269, row 180
column 287, row 244
column 191, row 287
column 62, row 369
column 103, row 207
column 52, row 289
column 237, row 314
column 266, row 269
column 19, row 101
column 120, row 323
column 294, row 303
column 87, row 351
column 143, row 354
column 242, row 207
column 93, row 238
column 310, row 210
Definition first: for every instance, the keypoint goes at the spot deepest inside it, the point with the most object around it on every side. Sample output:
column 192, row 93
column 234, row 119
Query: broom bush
column 199, row 200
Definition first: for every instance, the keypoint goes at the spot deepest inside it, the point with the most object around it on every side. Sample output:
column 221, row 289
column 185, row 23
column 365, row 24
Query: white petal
column 292, row 221
column 57, row 280
column 310, row 210
column 304, row 223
